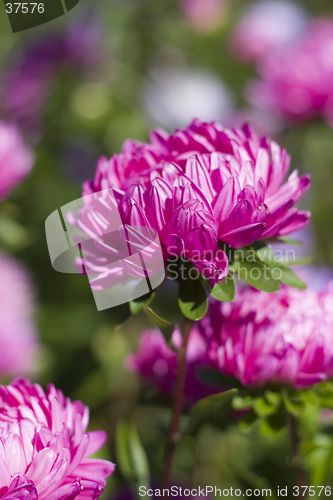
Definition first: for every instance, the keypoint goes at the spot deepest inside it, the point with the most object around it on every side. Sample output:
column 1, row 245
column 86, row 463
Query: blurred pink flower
column 196, row 187
column 156, row 362
column 267, row 25
column 16, row 160
column 283, row 338
column 44, row 446
column 18, row 335
column 296, row 83
column 204, row 15
column 31, row 79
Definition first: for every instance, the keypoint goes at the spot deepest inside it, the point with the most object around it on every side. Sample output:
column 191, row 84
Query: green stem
column 178, row 401
column 299, row 475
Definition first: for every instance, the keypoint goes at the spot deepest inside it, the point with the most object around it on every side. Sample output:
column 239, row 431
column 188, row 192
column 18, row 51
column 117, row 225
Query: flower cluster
column 18, row 336
column 44, row 446
column 156, row 362
column 284, row 338
column 296, row 84
column 16, row 160
column 197, row 187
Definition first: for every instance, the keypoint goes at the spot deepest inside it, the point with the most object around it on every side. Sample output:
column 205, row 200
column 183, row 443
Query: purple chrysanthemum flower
column 284, row 338
column 197, row 187
column 44, row 446
column 156, row 362
column 296, row 84
column 16, row 160
column 18, row 335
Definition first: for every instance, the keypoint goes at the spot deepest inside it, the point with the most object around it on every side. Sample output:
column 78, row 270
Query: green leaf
column 273, row 397
column 326, row 402
column 192, row 299
column 263, row 408
column 266, row 255
column 210, row 410
column 303, row 261
column 166, row 327
column 123, row 458
column 288, row 241
column 289, row 278
column 137, row 305
column 272, row 425
column 308, row 397
column 240, row 402
column 225, row 291
column 131, row 456
column 257, row 275
column 248, row 421
column 293, row 405
column 279, row 271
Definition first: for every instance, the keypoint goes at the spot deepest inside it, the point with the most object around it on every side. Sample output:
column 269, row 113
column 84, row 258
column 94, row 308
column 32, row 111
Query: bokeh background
column 77, row 88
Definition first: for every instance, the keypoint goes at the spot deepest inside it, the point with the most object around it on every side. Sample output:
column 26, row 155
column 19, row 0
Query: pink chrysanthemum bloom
column 284, row 338
column 296, row 83
column 156, row 362
column 267, row 25
column 18, row 335
column 44, row 446
column 196, row 187
column 16, row 160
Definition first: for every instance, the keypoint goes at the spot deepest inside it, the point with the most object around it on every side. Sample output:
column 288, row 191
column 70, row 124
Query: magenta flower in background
column 156, row 362
column 16, row 160
column 30, row 80
column 18, row 336
column 204, row 15
column 44, row 446
column 196, row 187
column 296, row 83
column 266, row 26
column 284, row 338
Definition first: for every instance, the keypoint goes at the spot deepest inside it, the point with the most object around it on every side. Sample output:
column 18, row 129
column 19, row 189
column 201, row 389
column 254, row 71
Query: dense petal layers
column 44, row 446
column 260, row 339
column 283, row 338
column 199, row 186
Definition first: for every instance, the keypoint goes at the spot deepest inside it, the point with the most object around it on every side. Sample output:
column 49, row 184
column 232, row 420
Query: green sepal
column 165, row 326
column 192, row 300
column 212, row 410
column 226, row 290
